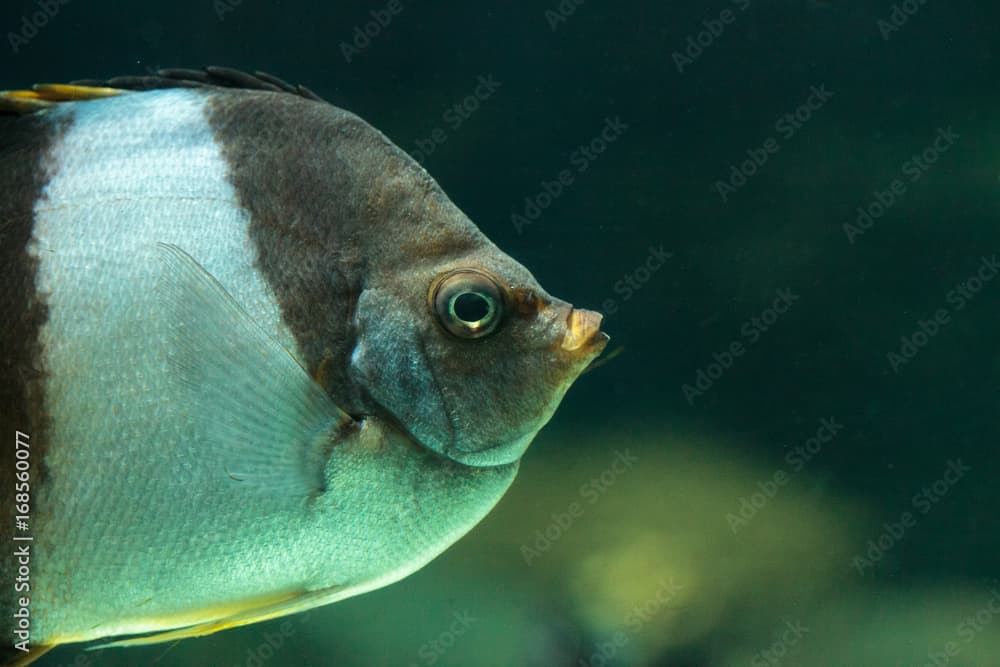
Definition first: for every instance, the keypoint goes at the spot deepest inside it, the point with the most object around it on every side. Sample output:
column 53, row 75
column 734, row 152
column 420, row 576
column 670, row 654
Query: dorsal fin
column 219, row 77
column 46, row 95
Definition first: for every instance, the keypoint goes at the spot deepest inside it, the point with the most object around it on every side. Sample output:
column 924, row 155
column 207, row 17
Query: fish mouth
column 583, row 333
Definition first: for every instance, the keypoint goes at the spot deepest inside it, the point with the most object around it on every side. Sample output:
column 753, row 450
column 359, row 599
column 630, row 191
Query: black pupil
column 470, row 307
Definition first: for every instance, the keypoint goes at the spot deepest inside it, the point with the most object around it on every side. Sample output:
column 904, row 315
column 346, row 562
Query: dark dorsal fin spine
column 218, row 77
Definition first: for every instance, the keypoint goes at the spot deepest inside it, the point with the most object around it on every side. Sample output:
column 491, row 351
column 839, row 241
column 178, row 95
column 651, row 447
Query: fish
column 254, row 360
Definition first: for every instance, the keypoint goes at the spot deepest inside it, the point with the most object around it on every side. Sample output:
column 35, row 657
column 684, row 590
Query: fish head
column 470, row 355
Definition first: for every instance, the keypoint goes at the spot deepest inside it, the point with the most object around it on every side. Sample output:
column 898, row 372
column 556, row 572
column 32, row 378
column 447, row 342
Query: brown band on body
column 26, row 162
column 329, row 197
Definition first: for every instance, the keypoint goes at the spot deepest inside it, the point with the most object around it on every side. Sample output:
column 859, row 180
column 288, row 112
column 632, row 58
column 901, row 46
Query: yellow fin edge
column 252, row 611
column 45, row 95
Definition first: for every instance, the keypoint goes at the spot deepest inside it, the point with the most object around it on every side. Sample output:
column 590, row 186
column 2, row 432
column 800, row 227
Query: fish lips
column 583, row 334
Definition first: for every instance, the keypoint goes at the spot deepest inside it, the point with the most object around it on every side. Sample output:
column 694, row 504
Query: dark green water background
column 656, row 185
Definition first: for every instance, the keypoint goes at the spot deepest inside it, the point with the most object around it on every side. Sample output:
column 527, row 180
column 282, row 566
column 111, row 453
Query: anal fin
column 252, row 613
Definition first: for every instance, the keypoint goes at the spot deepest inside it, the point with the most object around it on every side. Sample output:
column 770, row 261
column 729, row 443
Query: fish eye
column 467, row 302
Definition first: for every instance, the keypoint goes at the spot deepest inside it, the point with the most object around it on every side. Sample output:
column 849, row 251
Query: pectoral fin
column 265, row 423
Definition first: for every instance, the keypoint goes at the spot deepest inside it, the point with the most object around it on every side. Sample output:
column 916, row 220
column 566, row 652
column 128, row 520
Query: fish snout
column 583, row 333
